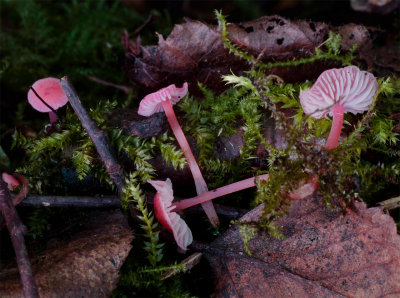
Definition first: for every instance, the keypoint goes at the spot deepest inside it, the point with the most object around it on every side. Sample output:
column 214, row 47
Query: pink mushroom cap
column 163, row 210
column 152, row 103
column 353, row 88
column 12, row 183
column 50, row 91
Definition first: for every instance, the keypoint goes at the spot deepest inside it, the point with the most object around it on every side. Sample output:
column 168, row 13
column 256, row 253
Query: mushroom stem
column 201, row 185
column 336, row 128
column 53, row 117
column 218, row 192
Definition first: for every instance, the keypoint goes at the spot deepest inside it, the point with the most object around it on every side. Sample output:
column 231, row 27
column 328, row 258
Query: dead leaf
column 325, row 254
column 195, row 52
column 355, row 34
column 85, row 266
column 375, row 6
column 132, row 124
column 277, row 37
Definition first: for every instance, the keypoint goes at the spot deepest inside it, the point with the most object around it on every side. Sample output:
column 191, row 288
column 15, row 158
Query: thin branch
column 24, row 189
column 72, row 201
column 17, row 231
column 123, row 88
column 390, row 204
column 141, row 27
column 114, row 202
column 98, row 137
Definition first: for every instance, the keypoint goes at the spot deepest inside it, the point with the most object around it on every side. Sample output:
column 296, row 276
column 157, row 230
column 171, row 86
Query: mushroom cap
column 163, row 210
column 152, row 103
column 12, row 183
column 353, row 88
column 50, row 90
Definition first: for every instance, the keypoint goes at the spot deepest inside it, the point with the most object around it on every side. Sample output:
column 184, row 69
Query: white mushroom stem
column 218, row 192
column 201, row 185
column 336, row 128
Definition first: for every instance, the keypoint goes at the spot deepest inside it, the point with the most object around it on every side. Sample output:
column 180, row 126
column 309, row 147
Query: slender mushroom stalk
column 46, row 96
column 165, row 210
column 199, row 181
column 336, row 128
column 218, row 192
column 336, row 92
column 162, row 100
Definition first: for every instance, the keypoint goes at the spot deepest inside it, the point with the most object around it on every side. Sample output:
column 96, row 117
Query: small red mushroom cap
column 50, row 91
column 353, row 88
column 152, row 103
column 163, row 210
column 12, row 183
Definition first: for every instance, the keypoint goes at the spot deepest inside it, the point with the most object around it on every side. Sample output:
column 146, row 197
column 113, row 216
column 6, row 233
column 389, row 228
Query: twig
column 141, row 27
column 123, row 88
column 390, row 204
column 24, row 189
column 72, row 201
column 98, row 137
column 189, row 263
column 114, row 202
column 17, row 231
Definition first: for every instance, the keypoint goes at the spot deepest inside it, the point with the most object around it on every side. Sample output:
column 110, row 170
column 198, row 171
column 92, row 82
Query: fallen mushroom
column 162, row 100
column 165, row 210
column 12, row 183
column 46, row 96
column 336, row 92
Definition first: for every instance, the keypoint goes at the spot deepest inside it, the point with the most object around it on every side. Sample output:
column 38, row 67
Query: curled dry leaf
column 195, row 52
column 324, row 254
column 85, row 266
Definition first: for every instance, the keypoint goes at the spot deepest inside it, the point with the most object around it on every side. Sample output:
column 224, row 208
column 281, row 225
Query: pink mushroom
column 164, row 211
column 336, row 92
column 162, row 100
column 46, row 96
column 12, row 183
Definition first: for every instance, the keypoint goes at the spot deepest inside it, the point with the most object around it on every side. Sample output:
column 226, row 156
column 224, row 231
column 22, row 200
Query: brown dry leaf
column 195, row 52
column 85, row 266
column 325, row 254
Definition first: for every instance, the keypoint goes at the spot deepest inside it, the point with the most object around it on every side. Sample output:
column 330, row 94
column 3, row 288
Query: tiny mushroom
column 162, row 100
column 46, row 96
column 336, row 92
column 164, row 211
column 12, row 183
